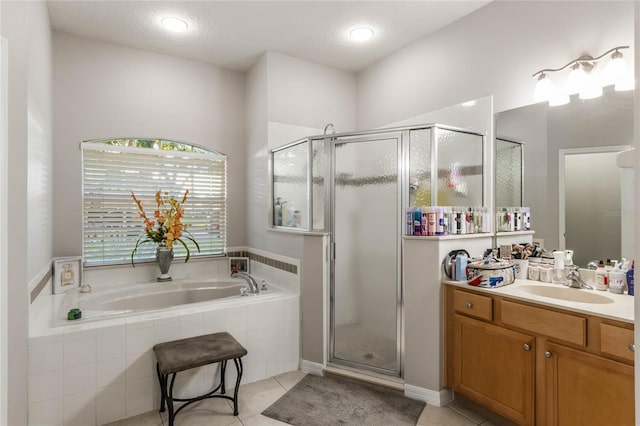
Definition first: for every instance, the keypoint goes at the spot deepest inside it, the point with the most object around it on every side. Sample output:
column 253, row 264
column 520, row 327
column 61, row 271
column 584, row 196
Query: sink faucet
column 574, row 280
column 253, row 284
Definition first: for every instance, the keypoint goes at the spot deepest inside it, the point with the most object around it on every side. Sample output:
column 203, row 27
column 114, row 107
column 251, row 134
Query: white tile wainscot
column 99, row 372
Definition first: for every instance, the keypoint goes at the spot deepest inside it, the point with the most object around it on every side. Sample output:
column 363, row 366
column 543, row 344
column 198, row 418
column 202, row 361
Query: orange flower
column 168, row 226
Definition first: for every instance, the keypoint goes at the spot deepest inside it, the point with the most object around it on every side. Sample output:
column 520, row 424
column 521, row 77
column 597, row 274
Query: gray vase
column 164, row 255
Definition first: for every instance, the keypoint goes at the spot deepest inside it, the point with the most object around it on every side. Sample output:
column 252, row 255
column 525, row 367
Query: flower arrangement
column 167, row 228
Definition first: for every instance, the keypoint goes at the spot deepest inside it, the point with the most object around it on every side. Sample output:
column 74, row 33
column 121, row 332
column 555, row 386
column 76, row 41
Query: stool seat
column 192, row 352
column 184, row 354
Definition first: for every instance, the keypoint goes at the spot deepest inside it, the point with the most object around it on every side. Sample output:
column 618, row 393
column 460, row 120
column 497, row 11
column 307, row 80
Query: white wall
column 291, row 94
column 26, row 27
column 105, row 90
column 492, row 51
column 40, row 145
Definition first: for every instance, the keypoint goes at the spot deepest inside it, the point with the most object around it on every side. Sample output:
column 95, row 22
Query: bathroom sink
column 568, row 294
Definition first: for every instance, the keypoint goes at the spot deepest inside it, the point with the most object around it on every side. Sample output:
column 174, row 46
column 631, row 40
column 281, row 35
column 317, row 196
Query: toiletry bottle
column 616, row 280
column 439, row 220
column 558, row 267
column 630, row 278
column 417, row 221
column 278, row 213
column 297, row 218
column 431, row 221
column 424, row 223
column 602, row 277
column 409, row 221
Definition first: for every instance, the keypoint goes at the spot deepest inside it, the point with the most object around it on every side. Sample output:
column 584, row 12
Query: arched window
column 113, row 168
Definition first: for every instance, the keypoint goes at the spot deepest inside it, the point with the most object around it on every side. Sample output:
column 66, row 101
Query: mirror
column 590, row 126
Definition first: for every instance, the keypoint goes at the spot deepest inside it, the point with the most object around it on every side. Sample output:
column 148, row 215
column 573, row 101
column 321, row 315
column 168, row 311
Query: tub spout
column 253, row 284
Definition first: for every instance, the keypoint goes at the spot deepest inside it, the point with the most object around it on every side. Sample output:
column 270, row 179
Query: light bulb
column 175, row 25
column 576, row 79
column 616, row 70
column 361, row 34
column 544, row 88
column 591, row 88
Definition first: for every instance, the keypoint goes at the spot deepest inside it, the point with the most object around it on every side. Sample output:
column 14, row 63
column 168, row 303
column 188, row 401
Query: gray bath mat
column 324, row 401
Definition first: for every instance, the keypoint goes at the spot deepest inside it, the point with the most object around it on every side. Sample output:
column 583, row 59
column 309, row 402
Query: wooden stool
column 193, row 352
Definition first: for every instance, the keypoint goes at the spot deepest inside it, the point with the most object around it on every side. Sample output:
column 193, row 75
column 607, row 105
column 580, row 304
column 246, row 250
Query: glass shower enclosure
column 357, row 186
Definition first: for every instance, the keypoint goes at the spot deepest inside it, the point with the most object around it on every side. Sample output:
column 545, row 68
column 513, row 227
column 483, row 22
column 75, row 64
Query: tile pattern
column 92, row 375
column 258, row 396
column 287, row 267
column 40, row 286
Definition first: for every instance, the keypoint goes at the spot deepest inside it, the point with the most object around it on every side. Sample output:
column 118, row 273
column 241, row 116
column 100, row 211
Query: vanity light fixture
column 175, row 25
column 361, row 34
column 584, row 78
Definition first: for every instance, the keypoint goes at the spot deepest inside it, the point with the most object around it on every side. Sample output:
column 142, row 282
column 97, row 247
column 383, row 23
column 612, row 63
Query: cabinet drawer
column 616, row 341
column 473, row 305
column 566, row 327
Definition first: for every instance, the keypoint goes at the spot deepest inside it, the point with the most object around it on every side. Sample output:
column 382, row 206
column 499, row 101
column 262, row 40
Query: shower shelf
column 448, row 237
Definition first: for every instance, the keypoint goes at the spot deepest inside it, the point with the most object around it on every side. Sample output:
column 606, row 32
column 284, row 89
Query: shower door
column 365, row 285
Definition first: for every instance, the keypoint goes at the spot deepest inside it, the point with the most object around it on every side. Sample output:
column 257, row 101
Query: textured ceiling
column 233, row 34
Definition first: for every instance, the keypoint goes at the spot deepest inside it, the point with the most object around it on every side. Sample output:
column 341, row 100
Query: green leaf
column 186, row 248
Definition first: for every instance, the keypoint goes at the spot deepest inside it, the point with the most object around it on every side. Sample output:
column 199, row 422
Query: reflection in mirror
column 603, row 122
column 509, row 172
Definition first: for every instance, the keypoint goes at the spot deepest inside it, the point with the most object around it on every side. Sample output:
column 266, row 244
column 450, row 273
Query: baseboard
column 312, row 367
column 431, row 397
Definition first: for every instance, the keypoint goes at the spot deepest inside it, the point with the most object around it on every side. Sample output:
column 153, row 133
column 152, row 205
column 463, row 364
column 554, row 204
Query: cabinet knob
column 526, row 347
column 632, row 347
column 547, row 354
column 469, row 305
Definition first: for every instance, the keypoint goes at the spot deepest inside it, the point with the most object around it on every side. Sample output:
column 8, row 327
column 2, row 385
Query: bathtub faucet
column 253, row 284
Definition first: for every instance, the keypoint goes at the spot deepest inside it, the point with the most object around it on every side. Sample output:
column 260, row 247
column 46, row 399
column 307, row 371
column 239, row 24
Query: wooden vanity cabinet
column 583, row 389
column 538, row 365
column 495, row 367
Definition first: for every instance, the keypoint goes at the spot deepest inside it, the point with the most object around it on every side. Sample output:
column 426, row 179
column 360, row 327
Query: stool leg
column 238, row 363
column 163, row 387
column 172, row 415
column 223, row 368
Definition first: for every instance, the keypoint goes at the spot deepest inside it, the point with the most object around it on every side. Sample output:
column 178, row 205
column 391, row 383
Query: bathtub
column 101, row 368
column 152, row 297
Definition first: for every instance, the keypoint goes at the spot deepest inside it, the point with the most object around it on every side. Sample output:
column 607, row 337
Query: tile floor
column 256, row 397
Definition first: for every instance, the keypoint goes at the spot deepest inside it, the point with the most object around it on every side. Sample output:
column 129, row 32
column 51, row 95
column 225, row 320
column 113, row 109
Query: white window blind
column 111, row 220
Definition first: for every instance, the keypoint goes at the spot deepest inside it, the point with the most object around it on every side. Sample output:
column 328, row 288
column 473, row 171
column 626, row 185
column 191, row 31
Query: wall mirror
column 595, row 219
column 509, row 172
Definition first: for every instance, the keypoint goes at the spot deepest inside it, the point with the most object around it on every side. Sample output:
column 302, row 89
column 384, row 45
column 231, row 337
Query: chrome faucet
column 574, row 280
column 253, row 284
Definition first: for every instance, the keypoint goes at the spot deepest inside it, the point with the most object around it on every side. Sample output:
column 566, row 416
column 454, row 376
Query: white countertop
column 620, row 307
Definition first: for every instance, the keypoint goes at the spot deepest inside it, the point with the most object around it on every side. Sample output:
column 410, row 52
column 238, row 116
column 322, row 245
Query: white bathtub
column 151, row 297
column 101, row 368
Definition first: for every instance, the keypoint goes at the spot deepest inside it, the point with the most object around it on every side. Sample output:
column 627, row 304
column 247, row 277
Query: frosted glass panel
column 290, row 166
column 366, row 254
column 508, row 173
column 318, row 184
column 420, row 167
column 459, row 157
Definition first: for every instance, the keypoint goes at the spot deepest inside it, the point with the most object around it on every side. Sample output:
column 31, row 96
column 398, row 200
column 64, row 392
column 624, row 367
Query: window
column 113, row 168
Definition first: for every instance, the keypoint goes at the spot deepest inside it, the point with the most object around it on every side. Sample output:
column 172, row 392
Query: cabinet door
column 585, row 389
column 495, row 367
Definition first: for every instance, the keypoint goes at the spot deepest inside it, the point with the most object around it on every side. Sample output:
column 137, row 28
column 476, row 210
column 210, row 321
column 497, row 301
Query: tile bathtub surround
column 91, row 374
column 266, row 260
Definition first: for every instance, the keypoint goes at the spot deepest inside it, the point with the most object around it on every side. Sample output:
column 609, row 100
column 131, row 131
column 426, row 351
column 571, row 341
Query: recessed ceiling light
column 361, row 34
column 175, row 25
